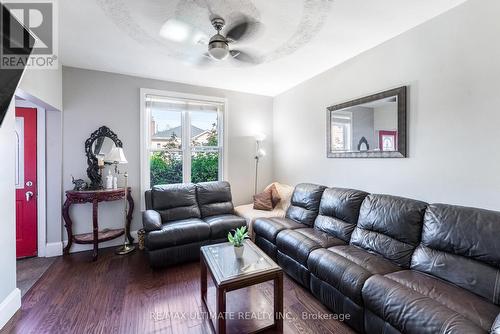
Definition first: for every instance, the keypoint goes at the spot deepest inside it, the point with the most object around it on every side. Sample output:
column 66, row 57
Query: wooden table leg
column 203, row 280
column 130, row 211
column 220, row 311
column 278, row 302
column 68, row 223
column 95, row 228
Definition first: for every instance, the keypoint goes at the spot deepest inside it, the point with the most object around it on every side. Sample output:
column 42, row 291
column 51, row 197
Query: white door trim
column 41, row 182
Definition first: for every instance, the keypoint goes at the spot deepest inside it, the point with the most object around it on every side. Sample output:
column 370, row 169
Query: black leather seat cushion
column 214, row 198
column 174, row 201
column 220, row 225
column 461, row 245
column 415, row 302
column 304, row 204
column 178, row 233
column 347, row 268
column 268, row 228
column 298, row 243
column 339, row 211
column 390, row 226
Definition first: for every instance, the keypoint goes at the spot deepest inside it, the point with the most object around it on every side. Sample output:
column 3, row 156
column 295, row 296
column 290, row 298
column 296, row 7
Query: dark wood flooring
column 122, row 294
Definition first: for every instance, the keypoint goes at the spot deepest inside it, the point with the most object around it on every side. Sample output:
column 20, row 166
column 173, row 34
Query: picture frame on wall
column 388, row 140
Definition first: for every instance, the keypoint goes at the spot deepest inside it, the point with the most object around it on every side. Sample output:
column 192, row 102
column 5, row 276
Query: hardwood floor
column 119, row 294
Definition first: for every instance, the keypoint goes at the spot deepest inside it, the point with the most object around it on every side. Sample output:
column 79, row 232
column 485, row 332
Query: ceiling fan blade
column 242, row 28
column 244, row 57
column 203, row 61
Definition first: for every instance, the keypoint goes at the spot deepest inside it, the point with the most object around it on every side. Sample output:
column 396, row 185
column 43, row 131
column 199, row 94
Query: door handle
column 29, row 194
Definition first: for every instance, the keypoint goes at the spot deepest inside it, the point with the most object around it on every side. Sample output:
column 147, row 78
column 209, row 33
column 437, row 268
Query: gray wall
column 362, row 126
column 92, row 99
column 44, row 85
column 451, row 67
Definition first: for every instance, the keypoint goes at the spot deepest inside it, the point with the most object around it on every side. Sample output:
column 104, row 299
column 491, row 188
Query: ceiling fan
column 219, row 45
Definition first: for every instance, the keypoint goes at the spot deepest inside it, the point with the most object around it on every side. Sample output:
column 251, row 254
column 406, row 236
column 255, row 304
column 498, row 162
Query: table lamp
column 116, row 157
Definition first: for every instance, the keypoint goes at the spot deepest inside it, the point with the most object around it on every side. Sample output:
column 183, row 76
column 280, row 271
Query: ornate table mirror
column 369, row 127
column 97, row 146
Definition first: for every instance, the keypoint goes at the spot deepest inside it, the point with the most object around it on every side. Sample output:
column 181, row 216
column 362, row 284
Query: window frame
column 145, row 133
column 344, row 119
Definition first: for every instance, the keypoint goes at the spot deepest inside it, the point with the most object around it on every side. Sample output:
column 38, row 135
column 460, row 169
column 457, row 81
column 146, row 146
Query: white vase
column 238, row 251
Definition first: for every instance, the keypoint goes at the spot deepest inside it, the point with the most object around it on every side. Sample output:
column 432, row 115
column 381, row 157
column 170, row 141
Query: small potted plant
column 236, row 239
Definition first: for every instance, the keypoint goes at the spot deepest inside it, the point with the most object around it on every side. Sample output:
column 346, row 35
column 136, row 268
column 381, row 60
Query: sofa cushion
column 298, row 243
column 390, row 226
column 268, row 228
column 275, row 195
column 263, row 201
column 339, row 211
column 175, row 201
column 220, row 225
column 214, row 198
column 431, row 305
column 460, row 245
column 151, row 220
column 246, row 211
column 305, row 201
column 178, row 233
column 284, row 192
column 346, row 268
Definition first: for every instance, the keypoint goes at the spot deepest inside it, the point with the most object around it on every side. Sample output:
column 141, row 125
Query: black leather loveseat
column 180, row 218
column 395, row 265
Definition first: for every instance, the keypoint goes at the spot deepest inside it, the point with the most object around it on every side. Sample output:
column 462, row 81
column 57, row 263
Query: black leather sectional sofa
column 395, row 265
column 180, row 218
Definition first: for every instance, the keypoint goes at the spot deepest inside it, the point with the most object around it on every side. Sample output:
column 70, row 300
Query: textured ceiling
column 298, row 38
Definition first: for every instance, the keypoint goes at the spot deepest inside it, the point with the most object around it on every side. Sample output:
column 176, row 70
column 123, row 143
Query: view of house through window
column 185, row 140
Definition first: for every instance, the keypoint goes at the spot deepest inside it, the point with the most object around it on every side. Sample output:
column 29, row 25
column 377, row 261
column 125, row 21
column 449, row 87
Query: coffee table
column 229, row 273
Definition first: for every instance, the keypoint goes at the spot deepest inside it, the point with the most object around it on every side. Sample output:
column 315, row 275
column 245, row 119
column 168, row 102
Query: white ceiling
column 299, row 39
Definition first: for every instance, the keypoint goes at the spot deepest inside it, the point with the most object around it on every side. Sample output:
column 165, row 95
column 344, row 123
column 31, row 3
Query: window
column 341, row 131
column 182, row 138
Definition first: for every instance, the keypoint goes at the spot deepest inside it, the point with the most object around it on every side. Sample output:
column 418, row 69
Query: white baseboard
column 56, row 248
column 53, row 249
column 9, row 306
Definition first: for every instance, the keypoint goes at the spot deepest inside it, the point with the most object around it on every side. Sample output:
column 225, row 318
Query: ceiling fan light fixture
column 218, row 48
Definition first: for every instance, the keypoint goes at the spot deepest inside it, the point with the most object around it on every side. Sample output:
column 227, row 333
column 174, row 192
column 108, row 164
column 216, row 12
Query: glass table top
column 225, row 266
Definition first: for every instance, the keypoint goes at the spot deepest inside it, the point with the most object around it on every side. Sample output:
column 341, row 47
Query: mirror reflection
column 368, row 127
column 102, row 146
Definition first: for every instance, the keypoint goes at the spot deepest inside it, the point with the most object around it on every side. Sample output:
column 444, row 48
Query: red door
column 26, row 183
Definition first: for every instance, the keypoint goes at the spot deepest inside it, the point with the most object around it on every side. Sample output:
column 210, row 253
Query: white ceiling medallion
column 181, row 29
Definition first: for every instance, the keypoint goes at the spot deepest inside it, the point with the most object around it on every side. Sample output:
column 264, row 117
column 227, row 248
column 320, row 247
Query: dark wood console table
column 96, row 236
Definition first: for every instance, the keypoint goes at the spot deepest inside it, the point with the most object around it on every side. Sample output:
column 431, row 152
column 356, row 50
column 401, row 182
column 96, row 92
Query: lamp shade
column 116, row 156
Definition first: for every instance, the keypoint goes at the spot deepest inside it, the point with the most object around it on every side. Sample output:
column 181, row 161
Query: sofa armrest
column 151, row 220
column 495, row 329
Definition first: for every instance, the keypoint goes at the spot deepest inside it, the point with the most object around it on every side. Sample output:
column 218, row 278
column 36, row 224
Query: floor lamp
column 116, row 157
column 259, row 153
